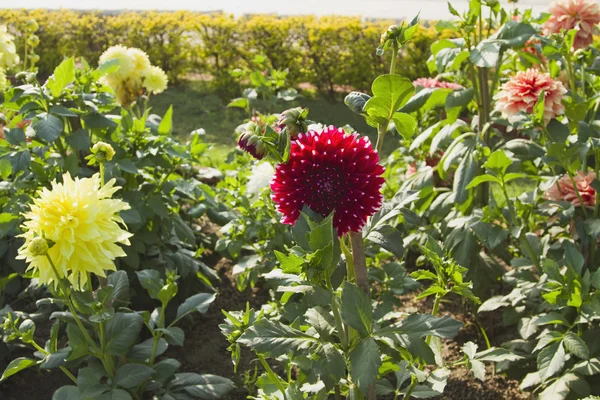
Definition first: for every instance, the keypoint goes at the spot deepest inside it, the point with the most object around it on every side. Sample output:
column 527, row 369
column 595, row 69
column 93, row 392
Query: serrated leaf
column 131, row 375
column 575, row 345
column 198, row 302
column 275, row 339
column 364, row 363
column 357, row 310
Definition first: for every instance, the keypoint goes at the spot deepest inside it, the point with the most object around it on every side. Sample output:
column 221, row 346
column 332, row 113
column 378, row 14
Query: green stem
column 581, row 204
column 360, row 261
column 157, row 336
column 513, row 212
column 274, row 377
column 381, row 131
column 65, row 292
column 434, row 312
column 570, row 72
column 350, row 275
column 102, row 181
column 338, row 317
column 410, row 389
column 338, row 394
column 394, row 57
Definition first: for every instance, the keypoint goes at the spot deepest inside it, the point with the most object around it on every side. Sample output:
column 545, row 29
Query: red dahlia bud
column 251, row 143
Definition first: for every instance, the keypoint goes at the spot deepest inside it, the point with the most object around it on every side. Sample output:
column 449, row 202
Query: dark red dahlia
column 330, row 171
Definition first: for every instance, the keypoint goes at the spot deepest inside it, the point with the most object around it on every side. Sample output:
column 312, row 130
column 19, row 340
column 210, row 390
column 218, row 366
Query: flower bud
column 294, row 120
column 103, row 152
column 32, row 25
column 34, row 40
column 34, row 58
column 38, row 246
column 391, row 33
column 251, row 143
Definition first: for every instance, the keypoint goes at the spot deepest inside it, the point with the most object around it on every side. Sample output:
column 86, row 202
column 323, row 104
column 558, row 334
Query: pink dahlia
column 521, row 93
column 564, row 190
column 330, row 171
column 569, row 14
column 435, row 83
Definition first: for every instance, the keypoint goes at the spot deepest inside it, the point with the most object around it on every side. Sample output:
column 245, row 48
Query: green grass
column 195, row 108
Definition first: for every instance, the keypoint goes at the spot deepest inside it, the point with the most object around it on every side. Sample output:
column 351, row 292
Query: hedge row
column 327, row 52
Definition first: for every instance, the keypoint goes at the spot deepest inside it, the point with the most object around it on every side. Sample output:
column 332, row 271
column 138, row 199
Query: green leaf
column 67, row 393
column 422, row 325
column 121, row 332
column 62, row 76
column 166, row 124
column 129, row 376
column 143, row 351
column 62, row 111
column 120, row 282
column 389, row 238
column 478, row 180
column 198, row 302
column 48, row 127
column 525, row 149
column 365, row 361
column 357, row 310
column 17, row 365
column 575, row 345
column 459, row 98
column 390, row 92
column 498, row 162
column 592, row 227
column 275, row 339
column 205, row 387
column 7, row 223
column 115, row 394
column 174, row 335
column 486, row 54
column 465, row 173
column 240, row 102
column 514, row 33
column 16, row 136
column 551, row 360
column 79, row 140
column 290, row 264
column 151, row 281
column 321, row 321
column 405, row 124
column 356, row 101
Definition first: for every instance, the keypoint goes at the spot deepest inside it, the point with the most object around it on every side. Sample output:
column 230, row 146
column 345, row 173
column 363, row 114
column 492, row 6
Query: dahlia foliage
column 330, row 171
column 133, row 75
column 82, row 224
column 583, row 15
column 522, row 92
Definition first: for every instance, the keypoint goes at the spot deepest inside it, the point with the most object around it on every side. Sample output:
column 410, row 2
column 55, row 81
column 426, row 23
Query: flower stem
column 350, row 274
column 360, row 261
column 335, row 308
column 381, row 131
column 65, row 292
column 272, row 375
column 410, row 389
column 394, row 57
column 578, row 194
column 157, row 336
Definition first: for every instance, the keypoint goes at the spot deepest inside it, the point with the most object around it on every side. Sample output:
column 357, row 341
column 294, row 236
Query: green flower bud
column 103, row 152
column 32, row 25
column 38, row 246
column 294, row 120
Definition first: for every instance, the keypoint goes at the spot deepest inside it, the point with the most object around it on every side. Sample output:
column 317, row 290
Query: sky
column 393, row 9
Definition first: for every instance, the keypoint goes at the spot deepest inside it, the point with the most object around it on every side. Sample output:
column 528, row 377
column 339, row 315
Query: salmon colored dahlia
column 330, row 171
column 564, row 190
column 521, row 93
column 435, row 83
column 570, row 14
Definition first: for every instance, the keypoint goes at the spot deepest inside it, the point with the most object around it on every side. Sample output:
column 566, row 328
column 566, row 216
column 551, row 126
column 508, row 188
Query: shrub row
column 327, row 52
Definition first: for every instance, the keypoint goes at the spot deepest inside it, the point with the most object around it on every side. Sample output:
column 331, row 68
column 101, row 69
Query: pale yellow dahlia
column 155, row 80
column 140, row 61
column 126, row 64
column 4, row 84
column 8, row 52
column 83, row 227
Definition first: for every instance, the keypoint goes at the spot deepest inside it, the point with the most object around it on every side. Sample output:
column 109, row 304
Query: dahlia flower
column 139, row 60
column 260, row 177
column 330, row 171
column 435, row 83
column 120, row 53
column 8, row 52
column 563, row 190
column 521, row 93
column 155, row 80
column 570, row 14
column 82, row 224
column 294, row 120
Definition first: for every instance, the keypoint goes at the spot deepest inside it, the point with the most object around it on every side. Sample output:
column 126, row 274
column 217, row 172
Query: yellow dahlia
column 120, row 53
column 140, row 61
column 155, row 80
column 83, row 227
column 8, row 52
